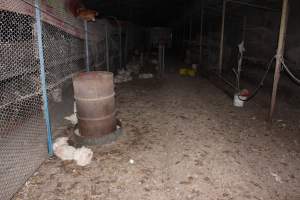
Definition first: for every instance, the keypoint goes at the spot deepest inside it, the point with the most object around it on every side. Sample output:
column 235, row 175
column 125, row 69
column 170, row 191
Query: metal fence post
column 222, row 37
column 201, row 32
column 107, row 47
column 163, row 59
column 190, row 28
column 126, row 45
column 120, row 51
column 86, row 46
column 43, row 75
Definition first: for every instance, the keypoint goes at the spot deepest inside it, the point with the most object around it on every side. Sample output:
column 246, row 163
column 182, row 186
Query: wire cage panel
column 23, row 134
column 23, row 142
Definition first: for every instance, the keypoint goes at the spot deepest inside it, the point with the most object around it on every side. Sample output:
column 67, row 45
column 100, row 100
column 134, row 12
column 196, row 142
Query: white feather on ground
column 82, row 156
column 277, row 177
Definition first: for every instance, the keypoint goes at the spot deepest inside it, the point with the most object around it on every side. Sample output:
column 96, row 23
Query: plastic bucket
column 238, row 101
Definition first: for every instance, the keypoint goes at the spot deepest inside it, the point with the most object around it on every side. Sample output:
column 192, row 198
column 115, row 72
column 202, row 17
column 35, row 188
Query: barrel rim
column 86, row 75
column 100, row 98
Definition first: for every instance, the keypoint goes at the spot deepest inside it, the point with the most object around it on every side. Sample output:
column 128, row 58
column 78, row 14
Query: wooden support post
column 280, row 53
column 222, row 37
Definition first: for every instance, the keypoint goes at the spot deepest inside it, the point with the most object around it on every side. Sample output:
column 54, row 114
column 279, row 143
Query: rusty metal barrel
column 95, row 102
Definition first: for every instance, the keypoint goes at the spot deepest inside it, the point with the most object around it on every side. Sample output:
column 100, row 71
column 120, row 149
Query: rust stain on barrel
column 95, row 102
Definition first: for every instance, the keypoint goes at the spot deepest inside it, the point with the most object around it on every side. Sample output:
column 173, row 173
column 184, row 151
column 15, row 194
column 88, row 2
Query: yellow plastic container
column 183, row 72
column 191, row 72
column 188, row 72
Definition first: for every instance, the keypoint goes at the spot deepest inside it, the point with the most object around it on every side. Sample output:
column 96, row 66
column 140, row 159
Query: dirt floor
column 185, row 141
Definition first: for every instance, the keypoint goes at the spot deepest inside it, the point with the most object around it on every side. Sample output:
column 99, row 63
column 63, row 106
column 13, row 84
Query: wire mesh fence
column 23, row 142
column 114, row 47
column 23, row 135
column 96, row 44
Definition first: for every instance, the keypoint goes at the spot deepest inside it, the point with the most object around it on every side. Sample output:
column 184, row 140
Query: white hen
column 83, row 156
column 62, row 149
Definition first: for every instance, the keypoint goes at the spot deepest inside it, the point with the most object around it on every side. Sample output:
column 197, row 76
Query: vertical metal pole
column 160, row 58
column 222, row 37
column 190, row 28
column 126, row 45
column 280, row 53
column 86, row 46
column 184, row 25
column 201, row 32
column 107, row 48
column 142, row 59
column 120, row 52
column 244, row 28
column 163, row 59
column 43, row 75
column 184, row 32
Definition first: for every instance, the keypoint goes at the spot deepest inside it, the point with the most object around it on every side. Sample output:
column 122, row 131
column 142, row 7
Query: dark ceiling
column 161, row 12
column 154, row 12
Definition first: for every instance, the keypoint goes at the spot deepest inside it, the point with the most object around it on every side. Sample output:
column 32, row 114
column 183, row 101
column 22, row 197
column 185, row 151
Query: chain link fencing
column 23, row 134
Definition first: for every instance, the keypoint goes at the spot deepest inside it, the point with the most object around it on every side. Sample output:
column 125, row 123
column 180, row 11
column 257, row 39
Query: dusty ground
column 187, row 142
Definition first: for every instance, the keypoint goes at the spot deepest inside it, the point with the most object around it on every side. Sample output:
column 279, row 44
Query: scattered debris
column 146, row 76
column 277, row 177
column 123, row 76
column 283, row 125
column 154, row 61
column 131, row 161
column 133, row 67
column 82, row 156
